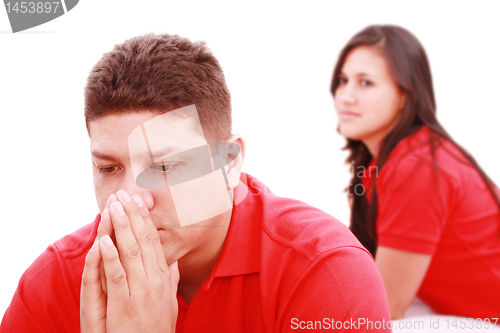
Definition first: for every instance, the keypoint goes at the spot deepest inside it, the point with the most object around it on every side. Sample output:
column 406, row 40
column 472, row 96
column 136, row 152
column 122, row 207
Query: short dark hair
column 160, row 73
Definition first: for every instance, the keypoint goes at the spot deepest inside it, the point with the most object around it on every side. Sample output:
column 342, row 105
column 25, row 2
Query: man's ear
column 235, row 159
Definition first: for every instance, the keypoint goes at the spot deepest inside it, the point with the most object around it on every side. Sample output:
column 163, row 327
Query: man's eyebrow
column 147, row 154
column 102, row 156
column 166, row 150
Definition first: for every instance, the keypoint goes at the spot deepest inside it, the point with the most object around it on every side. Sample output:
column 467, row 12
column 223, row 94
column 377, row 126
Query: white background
column 278, row 59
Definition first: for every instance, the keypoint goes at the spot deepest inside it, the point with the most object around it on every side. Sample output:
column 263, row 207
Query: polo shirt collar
column 241, row 252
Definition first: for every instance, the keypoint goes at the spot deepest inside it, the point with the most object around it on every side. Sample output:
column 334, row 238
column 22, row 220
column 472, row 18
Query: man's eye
column 110, row 169
column 161, row 167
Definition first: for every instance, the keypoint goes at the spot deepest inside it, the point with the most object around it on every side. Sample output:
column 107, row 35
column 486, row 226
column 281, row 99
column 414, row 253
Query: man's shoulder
column 307, row 260
column 78, row 242
column 308, row 230
column 293, row 224
column 47, row 297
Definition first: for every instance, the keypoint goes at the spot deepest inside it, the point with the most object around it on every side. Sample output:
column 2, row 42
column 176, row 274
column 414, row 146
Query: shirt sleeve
column 414, row 203
column 341, row 290
column 45, row 300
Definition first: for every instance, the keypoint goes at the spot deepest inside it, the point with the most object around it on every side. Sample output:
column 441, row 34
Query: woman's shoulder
column 427, row 160
column 426, row 148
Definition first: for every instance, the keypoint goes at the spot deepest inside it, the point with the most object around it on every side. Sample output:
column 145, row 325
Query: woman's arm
column 402, row 273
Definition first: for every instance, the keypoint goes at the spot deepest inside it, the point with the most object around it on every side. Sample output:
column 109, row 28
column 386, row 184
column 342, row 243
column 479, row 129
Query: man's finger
column 105, row 227
column 92, row 297
column 129, row 250
column 91, row 283
column 174, row 276
column 103, row 278
column 144, row 236
column 160, row 256
column 116, row 277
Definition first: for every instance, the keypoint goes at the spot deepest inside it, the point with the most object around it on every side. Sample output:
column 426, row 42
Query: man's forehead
column 181, row 128
column 129, row 120
column 106, row 152
column 146, row 133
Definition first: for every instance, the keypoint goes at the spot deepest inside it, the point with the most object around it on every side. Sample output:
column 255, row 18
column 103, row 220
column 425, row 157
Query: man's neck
column 196, row 267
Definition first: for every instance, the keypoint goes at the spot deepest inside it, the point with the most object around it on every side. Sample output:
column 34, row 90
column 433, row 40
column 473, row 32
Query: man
column 185, row 241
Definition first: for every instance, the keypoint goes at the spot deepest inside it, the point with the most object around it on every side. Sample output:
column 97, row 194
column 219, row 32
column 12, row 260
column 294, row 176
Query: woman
column 430, row 216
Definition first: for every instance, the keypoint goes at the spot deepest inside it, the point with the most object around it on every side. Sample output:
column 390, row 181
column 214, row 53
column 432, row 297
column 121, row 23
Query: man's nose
column 130, row 186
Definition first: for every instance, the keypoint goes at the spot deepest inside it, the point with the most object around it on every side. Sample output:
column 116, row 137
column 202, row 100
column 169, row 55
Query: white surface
column 278, row 59
column 419, row 317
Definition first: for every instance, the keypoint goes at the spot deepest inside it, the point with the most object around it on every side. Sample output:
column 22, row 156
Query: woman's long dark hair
column 410, row 68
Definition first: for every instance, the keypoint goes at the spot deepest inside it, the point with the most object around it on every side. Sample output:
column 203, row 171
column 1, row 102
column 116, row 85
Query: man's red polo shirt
column 284, row 266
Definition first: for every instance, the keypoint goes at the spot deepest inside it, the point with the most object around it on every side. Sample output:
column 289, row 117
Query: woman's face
column 368, row 99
